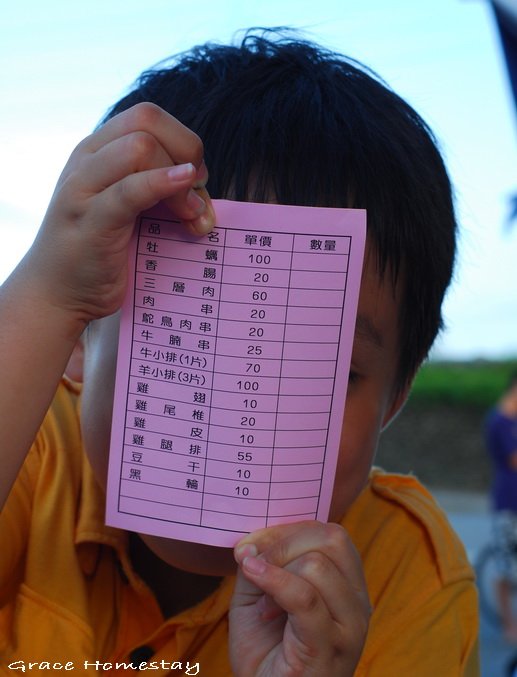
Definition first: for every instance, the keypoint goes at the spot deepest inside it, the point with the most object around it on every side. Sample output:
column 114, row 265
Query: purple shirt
column 501, row 438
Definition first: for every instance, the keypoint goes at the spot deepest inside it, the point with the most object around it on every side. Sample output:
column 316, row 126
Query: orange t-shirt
column 68, row 592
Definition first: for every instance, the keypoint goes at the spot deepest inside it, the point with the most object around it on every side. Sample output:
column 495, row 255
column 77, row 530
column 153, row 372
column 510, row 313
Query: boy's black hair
column 281, row 117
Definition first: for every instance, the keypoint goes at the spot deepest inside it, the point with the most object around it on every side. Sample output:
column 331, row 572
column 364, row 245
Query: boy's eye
column 353, row 376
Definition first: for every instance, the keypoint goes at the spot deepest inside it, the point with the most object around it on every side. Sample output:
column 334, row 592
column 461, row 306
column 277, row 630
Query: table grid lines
column 278, row 393
column 232, row 348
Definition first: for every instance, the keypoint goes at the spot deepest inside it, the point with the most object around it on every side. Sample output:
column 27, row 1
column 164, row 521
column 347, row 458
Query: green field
column 478, row 383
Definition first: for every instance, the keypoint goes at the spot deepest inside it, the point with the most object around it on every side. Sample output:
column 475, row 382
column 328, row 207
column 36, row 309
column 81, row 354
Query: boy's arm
column 75, row 271
column 35, row 342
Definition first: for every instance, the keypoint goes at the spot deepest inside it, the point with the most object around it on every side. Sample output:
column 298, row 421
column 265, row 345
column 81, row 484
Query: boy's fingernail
column 245, row 550
column 201, row 176
column 205, row 223
column 196, row 203
column 254, row 565
column 182, row 172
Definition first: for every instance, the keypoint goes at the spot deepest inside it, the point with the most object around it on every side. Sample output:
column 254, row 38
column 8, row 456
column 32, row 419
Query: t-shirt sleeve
column 436, row 637
column 421, row 585
column 15, row 524
column 27, row 501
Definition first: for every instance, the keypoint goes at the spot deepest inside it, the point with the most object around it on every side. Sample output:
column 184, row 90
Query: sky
column 62, row 64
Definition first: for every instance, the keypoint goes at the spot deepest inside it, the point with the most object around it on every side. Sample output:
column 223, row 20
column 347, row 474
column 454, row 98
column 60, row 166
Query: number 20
column 261, row 277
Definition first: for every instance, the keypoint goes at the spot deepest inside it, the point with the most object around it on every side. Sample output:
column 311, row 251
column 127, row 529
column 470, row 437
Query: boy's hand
column 300, row 606
column 76, row 269
column 136, row 159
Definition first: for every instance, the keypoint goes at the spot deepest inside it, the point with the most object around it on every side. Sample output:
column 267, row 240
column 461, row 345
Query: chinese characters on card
column 233, row 362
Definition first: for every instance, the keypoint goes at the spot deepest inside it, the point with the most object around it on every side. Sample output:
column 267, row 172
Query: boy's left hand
column 300, row 606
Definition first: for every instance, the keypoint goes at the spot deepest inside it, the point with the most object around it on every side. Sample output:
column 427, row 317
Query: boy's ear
column 74, row 368
column 397, row 404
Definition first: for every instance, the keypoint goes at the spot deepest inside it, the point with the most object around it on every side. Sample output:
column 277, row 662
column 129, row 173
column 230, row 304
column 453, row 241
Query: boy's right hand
column 136, row 159
column 76, row 269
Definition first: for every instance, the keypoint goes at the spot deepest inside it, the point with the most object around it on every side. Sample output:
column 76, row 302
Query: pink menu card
column 232, row 370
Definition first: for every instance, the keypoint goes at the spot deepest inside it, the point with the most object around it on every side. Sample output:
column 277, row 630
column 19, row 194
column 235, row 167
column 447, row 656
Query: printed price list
column 229, row 396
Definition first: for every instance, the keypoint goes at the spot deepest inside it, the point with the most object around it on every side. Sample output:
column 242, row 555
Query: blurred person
column 501, row 438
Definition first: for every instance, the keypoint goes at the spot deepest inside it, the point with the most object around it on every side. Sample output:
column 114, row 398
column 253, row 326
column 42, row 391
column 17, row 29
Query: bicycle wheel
column 487, row 573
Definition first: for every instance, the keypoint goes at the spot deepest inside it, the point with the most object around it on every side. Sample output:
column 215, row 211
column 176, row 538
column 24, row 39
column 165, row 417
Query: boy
column 385, row 587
